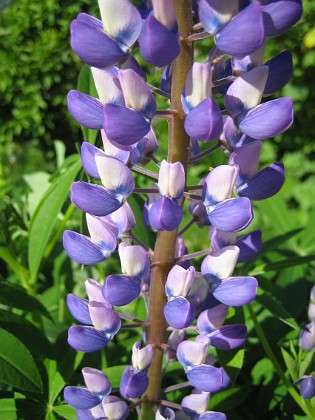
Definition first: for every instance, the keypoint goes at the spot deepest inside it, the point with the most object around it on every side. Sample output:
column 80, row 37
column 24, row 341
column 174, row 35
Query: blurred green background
column 38, row 143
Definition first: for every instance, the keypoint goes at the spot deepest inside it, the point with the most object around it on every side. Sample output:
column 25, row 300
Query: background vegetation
column 39, row 161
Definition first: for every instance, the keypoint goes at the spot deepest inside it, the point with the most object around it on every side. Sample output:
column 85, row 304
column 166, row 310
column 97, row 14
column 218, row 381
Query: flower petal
column 247, row 159
column 88, row 153
column 94, row 199
column 236, row 291
column 281, row 15
column 137, row 93
column 123, row 125
column 280, row 72
column 244, row 34
column 104, row 319
column 246, row 91
column 87, row 339
column 79, row 309
column 115, row 176
column 191, row 353
column 264, row 184
column 81, row 249
column 86, row 110
column 213, row 14
column 158, row 45
column 80, row 397
column 198, row 86
column 96, row 381
column 179, row 312
column 165, row 214
column 92, row 45
column 249, row 245
column 204, row 122
column 219, row 184
column 220, row 264
column 120, row 290
column 108, row 86
column 133, row 382
column 121, row 20
column 205, row 378
column 268, row 119
column 212, row 319
column 228, row 337
column 232, row 215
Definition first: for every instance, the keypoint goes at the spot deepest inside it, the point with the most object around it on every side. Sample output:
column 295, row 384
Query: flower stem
column 263, row 339
column 164, row 253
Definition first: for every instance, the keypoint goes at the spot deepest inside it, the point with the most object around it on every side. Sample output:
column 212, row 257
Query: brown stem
column 164, row 253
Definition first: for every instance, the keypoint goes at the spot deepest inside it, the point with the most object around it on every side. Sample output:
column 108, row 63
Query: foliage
column 36, row 72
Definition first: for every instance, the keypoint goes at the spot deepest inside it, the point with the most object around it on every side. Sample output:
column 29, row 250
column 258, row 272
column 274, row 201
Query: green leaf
column 38, row 183
column 114, row 374
column 86, row 85
column 45, row 216
column 279, row 265
column 31, row 336
column 58, row 376
column 306, row 363
column 13, row 263
column 229, row 398
column 278, row 240
column 291, row 363
column 232, row 362
column 17, row 367
column 66, row 411
column 16, row 297
column 275, row 307
column 20, row 409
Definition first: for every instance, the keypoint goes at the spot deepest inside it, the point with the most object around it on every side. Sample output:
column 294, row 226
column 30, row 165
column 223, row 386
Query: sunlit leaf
column 17, row 367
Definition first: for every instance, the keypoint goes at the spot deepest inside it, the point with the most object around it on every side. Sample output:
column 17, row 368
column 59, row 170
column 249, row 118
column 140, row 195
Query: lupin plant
column 179, row 299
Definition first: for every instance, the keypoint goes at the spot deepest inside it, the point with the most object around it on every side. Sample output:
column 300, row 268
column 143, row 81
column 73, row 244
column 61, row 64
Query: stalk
column 164, row 253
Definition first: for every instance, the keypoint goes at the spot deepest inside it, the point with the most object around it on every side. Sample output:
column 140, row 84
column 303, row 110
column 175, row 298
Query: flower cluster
column 124, row 112
column 307, row 343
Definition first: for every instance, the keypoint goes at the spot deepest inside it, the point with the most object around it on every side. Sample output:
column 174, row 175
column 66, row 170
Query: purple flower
column 105, row 43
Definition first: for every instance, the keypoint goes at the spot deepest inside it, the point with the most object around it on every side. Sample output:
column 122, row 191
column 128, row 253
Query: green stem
column 263, row 339
column 164, row 253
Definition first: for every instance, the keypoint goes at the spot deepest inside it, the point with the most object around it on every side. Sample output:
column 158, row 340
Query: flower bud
column 142, row 358
column 134, row 260
column 171, row 179
column 179, row 281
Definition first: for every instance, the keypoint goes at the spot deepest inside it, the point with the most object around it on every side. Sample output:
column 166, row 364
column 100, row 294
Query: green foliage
column 37, row 70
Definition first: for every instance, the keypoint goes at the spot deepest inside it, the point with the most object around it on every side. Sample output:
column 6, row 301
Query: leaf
column 45, row 217
column 20, row 409
column 306, row 363
column 12, row 262
column 232, row 362
column 60, row 149
column 278, row 240
column 16, row 297
column 58, row 376
column 17, row 367
column 229, row 398
column 66, row 411
column 276, row 308
column 31, row 336
column 279, row 265
column 86, row 85
column 38, row 182
column 291, row 364
column 114, row 374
